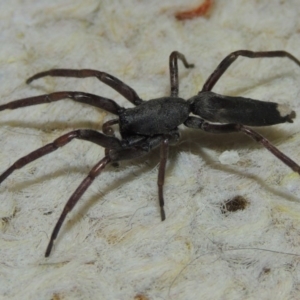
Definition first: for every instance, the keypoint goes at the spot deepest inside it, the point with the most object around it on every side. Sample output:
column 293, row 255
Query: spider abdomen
column 156, row 116
column 226, row 109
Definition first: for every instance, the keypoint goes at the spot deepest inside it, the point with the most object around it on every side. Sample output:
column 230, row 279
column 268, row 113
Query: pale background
column 113, row 245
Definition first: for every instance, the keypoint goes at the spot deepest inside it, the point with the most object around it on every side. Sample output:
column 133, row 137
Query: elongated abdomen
column 225, row 109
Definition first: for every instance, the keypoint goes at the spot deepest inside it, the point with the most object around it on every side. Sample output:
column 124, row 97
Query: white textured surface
column 229, row 157
column 113, row 245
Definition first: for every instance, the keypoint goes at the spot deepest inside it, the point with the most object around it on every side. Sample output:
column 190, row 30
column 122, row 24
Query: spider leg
column 96, row 170
column 83, row 134
column 229, row 59
column 165, row 141
column 122, row 88
column 164, row 150
column 198, row 123
column 106, row 127
column 108, row 130
column 114, row 155
column 86, row 98
column 173, row 66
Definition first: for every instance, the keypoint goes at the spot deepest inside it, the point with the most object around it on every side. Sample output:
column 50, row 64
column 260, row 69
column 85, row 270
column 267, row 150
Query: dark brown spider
column 154, row 123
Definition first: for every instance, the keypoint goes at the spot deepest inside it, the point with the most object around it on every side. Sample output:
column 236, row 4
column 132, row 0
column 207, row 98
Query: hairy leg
column 229, row 59
column 198, row 123
column 174, row 56
column 83, row 134
column 122, row 88
column 85, row 98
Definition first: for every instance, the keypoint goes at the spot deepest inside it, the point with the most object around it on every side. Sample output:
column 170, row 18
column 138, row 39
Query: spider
column 154, row 123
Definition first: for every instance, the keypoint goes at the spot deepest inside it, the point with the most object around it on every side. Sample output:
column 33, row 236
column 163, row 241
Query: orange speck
column 202, row 10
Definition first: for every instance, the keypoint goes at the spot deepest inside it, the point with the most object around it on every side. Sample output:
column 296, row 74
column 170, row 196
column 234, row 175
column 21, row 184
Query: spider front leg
column 113, row 156
column 198, row 123
column 174, row 56
column 96, row 170
column 122, row 88
column 85, row 98
column 228, row 60
column 83, row 134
